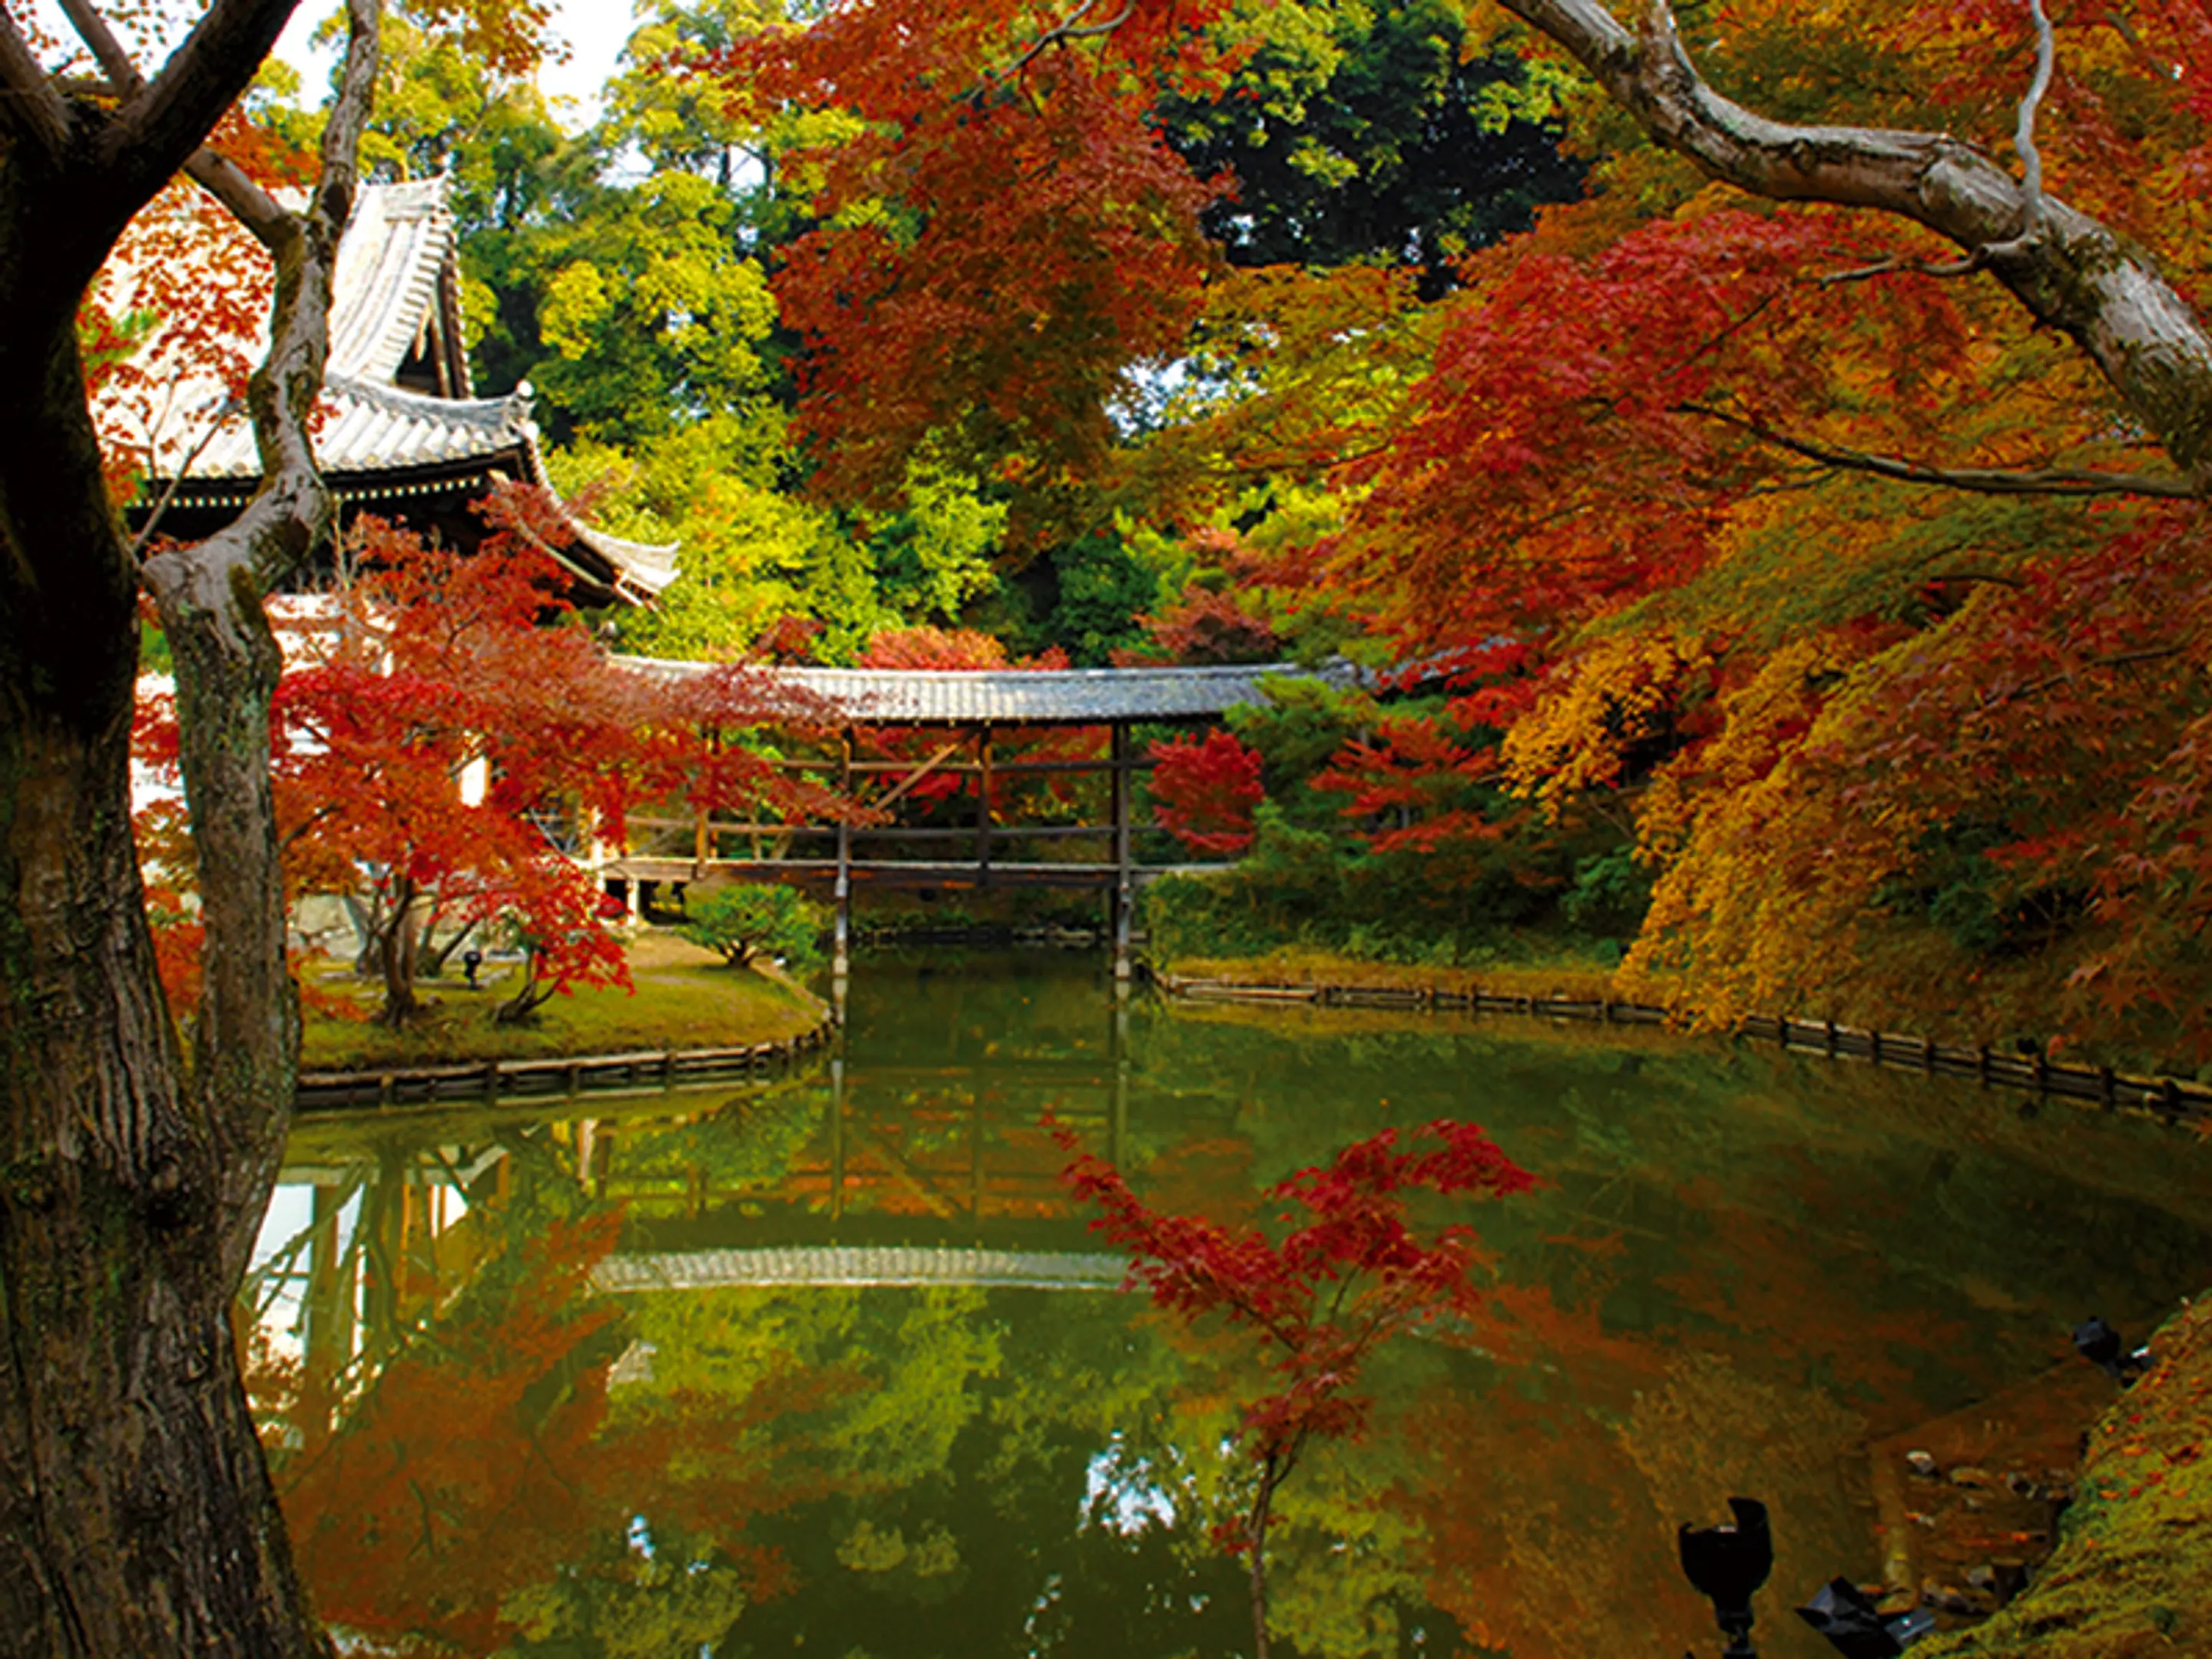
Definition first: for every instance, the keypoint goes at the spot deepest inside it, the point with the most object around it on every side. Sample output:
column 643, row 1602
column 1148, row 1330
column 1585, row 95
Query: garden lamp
column 1843, row 1612
column 2103, row 1347
column 1726, row 1564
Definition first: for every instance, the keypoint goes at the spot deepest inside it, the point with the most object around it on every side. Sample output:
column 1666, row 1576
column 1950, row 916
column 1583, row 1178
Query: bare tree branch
column 29, row 105
column 146, row 531
column 252, row 206
column 1982, row 481
column 161, row 125
column 1966, row 267
column 229, row 183
column 106, row 51
column 1070, row 27
column 2046, row 54
column 228, row 665
column 2066, row 268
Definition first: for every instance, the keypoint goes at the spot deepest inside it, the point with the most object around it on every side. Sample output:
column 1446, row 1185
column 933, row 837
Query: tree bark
column 135, row 1512
column 2069, row 269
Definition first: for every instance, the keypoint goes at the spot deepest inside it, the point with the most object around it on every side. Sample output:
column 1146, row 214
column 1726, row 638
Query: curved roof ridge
column 386, row 278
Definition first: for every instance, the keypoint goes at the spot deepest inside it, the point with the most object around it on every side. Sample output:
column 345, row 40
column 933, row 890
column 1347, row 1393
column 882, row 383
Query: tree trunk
column 1271, row 1472
column 395, row 954
column 136, row 1515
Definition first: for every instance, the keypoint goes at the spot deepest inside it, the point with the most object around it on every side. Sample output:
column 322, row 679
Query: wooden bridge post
column 1124, row 875
column 1117, row 1127
column 983, row 806
column 837, row 1133
column 840, row 951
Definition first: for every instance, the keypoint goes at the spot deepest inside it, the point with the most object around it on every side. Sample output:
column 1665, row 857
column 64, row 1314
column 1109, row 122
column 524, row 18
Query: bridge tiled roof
column 1076, row 696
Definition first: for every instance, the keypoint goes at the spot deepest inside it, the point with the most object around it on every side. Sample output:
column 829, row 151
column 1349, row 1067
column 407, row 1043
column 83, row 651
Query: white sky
column 594, row 29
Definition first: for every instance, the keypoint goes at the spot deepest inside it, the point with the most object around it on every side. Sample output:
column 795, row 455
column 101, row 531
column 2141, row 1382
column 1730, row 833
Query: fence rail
column 561, row 1074
column 2171, row 1099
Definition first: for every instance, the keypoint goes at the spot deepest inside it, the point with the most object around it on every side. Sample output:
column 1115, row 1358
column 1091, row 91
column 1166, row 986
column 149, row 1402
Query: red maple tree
column 1204, row 790
column 449, row 741
column 1348, row 1272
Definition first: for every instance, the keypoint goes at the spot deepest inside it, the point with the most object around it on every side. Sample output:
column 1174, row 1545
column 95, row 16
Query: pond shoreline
column 2170, row 1099
column 496, row 1079
column 2132, row 1571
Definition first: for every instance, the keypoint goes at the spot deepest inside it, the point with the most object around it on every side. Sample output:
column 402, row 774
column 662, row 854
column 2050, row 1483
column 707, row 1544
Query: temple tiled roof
column 1078, row 697
column 395, row 246
column 379, row 441
column 385, row 428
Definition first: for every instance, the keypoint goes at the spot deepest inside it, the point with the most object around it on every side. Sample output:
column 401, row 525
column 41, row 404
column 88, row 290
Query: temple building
column 403, row 435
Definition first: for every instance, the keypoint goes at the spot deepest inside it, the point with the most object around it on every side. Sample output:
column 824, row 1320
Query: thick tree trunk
column 136, row 1515
column 136, row 1518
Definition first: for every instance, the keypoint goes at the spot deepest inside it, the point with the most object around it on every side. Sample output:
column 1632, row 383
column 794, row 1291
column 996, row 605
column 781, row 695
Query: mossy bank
column 2132, row 1573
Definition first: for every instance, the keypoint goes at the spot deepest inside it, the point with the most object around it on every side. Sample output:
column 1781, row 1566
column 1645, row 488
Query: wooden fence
column 2171, row 1099
column 564, row 1074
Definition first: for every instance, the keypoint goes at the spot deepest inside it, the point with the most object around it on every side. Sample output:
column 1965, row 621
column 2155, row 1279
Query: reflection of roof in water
column 836, row 1264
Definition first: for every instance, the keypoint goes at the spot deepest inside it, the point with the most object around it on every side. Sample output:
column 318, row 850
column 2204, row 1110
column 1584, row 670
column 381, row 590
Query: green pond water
column 612, row 1375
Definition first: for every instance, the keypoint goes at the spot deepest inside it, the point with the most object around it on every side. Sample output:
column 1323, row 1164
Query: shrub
column 747, row 922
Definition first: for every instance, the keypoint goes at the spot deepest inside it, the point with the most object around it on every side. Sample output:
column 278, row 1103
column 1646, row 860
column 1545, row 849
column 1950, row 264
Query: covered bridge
column 1003, row 778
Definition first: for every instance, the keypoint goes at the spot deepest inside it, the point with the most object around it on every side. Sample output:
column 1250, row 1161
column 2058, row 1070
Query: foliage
column 1346, row 1275
column 1100, row 586
column 748, row 921
column 1000, row 236
column 439, row 745
column 1372, row 133
column 1204, row 791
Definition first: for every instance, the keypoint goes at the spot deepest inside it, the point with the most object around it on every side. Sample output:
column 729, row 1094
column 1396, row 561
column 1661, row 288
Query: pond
column 831, row 1362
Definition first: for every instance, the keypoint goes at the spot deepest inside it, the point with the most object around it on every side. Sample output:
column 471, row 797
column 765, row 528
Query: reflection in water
column 831, row 1362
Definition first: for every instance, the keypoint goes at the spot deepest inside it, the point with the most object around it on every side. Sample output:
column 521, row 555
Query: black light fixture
column 1726, row 1564
column 2104, row 1347
column 1857, row 1629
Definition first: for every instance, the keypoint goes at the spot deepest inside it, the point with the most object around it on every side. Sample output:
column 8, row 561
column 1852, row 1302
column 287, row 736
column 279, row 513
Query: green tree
column 747, row 922
column 1365, row 132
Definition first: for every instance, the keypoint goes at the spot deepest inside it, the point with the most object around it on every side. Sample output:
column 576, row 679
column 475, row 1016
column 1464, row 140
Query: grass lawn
column 685, row 998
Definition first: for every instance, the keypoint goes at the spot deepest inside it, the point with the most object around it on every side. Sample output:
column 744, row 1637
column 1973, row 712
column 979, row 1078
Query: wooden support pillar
column 983, row 807
column 836, row 1136
column 976, row 1158
column 1124, row 869
column 1117, row 1127
column 840, row 953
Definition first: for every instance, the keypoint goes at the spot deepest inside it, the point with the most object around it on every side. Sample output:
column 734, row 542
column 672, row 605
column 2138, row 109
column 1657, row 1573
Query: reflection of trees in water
column 475, row 1486
column 1743, row 1266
